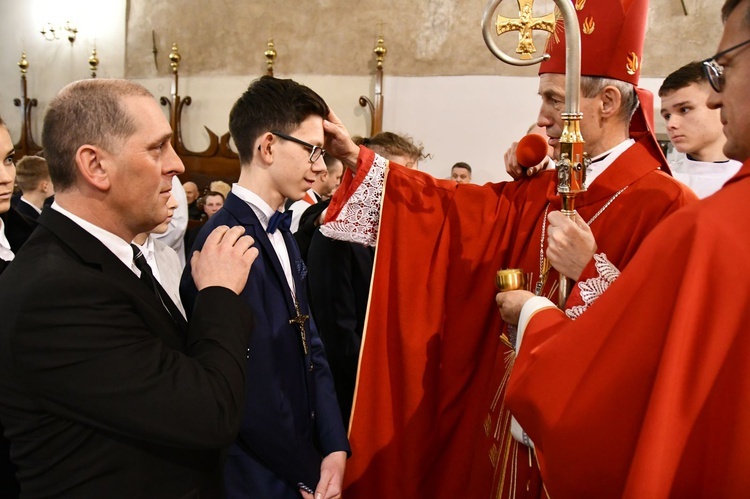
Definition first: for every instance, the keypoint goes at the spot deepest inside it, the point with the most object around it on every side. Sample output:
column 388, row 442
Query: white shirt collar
column 260, row 207
column 115, row 244
column 5, row 252
column 30, row 204
column 602, row 161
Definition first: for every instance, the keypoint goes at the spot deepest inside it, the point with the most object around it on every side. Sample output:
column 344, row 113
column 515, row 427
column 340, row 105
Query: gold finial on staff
column 380, row 50
column 270, row 54
column 23, row 63
column 93, row 62
column 174, row 58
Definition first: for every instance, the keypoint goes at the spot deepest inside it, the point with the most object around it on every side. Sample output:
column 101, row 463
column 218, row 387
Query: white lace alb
column 359, row 219
column 593, row 288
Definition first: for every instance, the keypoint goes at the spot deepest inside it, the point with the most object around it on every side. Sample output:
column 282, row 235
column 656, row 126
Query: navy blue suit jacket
column 291, row 417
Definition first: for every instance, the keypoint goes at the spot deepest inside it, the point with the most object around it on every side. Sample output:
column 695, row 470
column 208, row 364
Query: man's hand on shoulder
column 338, row 142
column 224, row 260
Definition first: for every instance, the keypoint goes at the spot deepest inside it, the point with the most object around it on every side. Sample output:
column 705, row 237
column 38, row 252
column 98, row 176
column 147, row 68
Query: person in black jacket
column 103, row 391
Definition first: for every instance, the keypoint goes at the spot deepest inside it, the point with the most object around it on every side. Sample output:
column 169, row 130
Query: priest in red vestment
column 648, row 393
column 429, row 418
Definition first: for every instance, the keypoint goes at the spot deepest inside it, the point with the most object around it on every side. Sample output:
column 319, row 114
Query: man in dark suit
column 292, row 440
column 103, row 391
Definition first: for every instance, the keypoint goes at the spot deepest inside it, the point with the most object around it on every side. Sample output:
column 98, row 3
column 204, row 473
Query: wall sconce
column 50, row 33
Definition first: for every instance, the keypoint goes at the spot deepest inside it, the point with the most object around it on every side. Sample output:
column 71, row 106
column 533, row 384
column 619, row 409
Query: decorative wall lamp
column 50, row 33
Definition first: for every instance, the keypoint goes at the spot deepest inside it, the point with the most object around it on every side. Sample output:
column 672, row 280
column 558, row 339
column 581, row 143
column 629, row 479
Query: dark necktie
column 280, row 220
column 147, row 277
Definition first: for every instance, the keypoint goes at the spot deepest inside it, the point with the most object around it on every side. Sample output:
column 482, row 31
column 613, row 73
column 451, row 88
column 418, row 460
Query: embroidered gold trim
column 588, row 26
column 632, row 64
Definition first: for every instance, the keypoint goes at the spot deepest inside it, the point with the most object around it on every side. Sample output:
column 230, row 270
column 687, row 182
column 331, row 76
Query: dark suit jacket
column 27, row 210
column 291, row 417
column 339, row 285
column 17, row 229
column 101, row 393
column 307, row 226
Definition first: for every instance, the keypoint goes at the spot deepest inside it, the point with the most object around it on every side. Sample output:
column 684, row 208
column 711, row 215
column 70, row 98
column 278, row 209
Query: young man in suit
column 32, row 175
column 292, row 440
column 103, row 391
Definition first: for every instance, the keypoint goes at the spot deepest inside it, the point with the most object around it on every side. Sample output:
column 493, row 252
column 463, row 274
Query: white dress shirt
column 264, row 213
column 121, row 248
column 5, row 252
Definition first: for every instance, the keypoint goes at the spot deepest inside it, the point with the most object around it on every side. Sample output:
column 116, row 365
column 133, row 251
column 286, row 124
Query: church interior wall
column 441, row 84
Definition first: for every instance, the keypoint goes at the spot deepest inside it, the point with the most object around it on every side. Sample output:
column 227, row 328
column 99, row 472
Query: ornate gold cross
column 300, row 321
column 525, row 24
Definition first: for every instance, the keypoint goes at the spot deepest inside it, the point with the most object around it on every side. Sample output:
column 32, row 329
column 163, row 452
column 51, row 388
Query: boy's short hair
column 389, row 144
column 687, row 75
column 463, row 165
column 271, row 104
column 31, row 170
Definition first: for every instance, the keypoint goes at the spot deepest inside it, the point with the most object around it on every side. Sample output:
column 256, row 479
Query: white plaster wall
column 213, row 97
column 457, row 118
column 53, row 64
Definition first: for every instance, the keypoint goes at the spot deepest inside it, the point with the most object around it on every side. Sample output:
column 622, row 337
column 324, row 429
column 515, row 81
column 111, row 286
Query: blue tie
column 279, row 220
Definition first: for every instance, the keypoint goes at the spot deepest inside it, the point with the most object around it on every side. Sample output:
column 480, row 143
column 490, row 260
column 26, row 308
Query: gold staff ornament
column 571, row 166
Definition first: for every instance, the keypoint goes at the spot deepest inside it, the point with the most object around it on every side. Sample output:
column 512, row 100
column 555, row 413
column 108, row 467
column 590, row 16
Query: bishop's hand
column 570, row 244
column 510, row 304
column 516, row 170
column 338, row 142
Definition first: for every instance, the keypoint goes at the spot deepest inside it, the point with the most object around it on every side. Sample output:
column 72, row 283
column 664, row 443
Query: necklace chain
column 544, row 266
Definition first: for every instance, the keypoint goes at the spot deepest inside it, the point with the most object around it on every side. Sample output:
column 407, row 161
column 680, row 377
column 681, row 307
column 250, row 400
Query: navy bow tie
column 280, row 220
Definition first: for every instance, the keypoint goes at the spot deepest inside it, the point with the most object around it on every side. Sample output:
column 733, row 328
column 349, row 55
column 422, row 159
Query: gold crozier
column 525, row 24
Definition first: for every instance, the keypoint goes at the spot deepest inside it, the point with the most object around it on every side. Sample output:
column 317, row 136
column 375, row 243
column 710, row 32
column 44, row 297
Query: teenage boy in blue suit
column 292, row 440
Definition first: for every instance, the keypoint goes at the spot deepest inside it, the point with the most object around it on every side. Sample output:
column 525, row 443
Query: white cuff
column 519, row 434
column 532, row 306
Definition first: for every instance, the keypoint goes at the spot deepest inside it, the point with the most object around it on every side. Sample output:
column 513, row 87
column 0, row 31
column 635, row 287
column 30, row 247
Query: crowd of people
column 322, row 326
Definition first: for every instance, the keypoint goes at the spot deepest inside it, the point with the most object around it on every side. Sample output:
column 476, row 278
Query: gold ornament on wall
column 270, row 54
column 52, row 33
column 93, row 62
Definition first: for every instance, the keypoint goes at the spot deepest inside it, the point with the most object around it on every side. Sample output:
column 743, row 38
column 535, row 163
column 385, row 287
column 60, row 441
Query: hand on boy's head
column 338, row 142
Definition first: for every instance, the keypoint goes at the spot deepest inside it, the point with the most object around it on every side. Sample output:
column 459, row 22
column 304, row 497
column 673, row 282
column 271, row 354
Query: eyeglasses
column 715, row 71
column 316, row 152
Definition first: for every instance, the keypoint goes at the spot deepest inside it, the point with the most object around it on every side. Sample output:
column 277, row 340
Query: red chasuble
column 429, row 417
column 648, row 393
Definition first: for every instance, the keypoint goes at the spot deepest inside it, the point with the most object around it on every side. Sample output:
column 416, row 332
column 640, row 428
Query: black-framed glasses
column 316, row 152
column 715, row 71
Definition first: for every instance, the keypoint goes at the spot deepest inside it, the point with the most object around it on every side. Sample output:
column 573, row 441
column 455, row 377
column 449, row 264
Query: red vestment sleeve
column 647, row 393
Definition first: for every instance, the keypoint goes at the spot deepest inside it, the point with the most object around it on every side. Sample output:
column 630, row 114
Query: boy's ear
column 265, row 149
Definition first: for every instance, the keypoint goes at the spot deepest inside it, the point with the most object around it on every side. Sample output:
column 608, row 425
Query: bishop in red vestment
column 648, row 393
column 429, row 418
